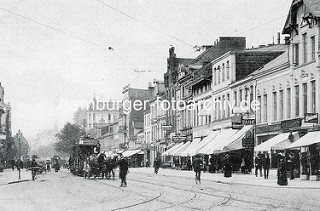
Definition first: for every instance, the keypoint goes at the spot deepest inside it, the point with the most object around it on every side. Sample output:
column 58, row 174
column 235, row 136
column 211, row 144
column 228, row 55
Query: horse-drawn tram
column 81, row 150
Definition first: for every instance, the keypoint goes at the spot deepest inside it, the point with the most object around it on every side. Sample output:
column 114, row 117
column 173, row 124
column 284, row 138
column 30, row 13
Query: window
column 240, row 96
column 109, row 117
column 219, row 74
column 219, row 110
column 288, row 103
column 296, row 53
column 223, row 73
column 259, row 110
column 297, row 100
column 305, row 97
column 246, row 95
column 313, row 48
column 265, row 106
column 235, row 98
column 215, row 76
column 305, row 48
column 228, row 70
column 281, row 104
column 94, row 117
column 223, row 106
column 313, row 96
column 228, row 106
column 274, row 96
column 251, row 97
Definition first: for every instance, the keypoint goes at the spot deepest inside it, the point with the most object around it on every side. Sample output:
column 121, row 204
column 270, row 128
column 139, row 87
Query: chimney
column 278, row 38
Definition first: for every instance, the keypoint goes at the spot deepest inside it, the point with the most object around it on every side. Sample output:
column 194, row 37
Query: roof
column 278, row 61
column 311, row 7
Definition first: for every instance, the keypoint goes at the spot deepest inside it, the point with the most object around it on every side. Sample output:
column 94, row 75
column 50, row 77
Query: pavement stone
column 9, row 176
column 237, row 178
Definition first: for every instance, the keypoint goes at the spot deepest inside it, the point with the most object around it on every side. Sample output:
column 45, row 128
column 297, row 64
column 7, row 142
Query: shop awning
column 271, row 143
column 172, row 149
column 176, row 149
column 306, row 140
column 218, row 141
column 236, row 142
column 178, row 152
column 205, row 141
column 187, row 151
column 129, row 153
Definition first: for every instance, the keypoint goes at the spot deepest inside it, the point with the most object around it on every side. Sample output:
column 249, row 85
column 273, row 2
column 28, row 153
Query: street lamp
column 18, row 165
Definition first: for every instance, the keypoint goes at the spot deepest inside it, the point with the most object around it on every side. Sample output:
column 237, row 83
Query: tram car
column 81, row 150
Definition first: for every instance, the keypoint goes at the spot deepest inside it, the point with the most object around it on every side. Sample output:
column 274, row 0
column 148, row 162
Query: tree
column 68, row 136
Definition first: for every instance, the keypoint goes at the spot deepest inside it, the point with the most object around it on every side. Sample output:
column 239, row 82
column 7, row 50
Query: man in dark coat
column 266, row 166
column 123, row 170
column 197, row 164
column 227, row 166
column 157, row 164
column 258, row 164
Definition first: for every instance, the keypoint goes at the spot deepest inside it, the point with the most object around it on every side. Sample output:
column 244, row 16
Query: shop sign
column 268, row 128
column 248, row 121
column 166, row 127
column 291, row 123
column 311, row 118
column 178, row 138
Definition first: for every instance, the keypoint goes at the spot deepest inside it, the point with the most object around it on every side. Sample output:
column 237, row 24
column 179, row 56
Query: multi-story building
column 147, row 135
column 179, row 81
column 101, row 113
column 6, row 140
column 131, row 115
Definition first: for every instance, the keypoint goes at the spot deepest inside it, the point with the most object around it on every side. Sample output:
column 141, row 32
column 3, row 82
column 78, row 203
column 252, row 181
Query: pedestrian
column 282, row 171
column 266, row 166
column 290, row 164
column 157, row 164
column 189, row 164
column 13, row 163
column 197, row 166
column 123, row 170
column 227, row 167
column 243, row 166
column 258, row 164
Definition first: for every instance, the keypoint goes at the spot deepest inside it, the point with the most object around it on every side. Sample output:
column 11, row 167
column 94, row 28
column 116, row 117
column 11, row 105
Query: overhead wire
column 143, row 23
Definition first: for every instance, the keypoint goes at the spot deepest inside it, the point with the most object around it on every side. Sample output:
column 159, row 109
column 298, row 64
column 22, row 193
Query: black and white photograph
column 159, row 105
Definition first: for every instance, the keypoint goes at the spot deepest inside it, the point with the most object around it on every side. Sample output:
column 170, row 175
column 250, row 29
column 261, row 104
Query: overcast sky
column 54, row 55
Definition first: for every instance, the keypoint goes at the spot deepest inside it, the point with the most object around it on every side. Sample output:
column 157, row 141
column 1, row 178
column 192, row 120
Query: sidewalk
column 237, row 178
column 9, row 176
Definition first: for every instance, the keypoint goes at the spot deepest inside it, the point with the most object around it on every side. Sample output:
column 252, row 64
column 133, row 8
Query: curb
column 18, row 181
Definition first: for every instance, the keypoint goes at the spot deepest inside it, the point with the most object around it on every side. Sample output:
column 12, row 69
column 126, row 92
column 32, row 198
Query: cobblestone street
column 169, row 190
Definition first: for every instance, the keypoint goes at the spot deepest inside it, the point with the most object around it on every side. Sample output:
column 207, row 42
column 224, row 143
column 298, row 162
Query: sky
column 56, row 55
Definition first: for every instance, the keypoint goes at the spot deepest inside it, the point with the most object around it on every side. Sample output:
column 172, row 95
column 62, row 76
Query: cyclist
column 197, row 166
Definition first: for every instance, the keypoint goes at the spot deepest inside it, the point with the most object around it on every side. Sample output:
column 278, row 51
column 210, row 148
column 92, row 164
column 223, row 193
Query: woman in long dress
column 282, row 172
